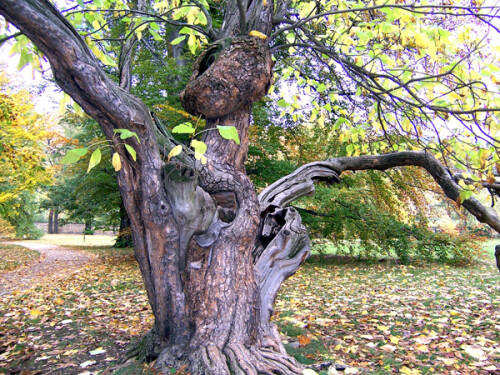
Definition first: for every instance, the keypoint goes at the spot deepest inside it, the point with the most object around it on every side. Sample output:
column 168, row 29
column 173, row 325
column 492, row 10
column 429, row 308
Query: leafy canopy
column 390, row 76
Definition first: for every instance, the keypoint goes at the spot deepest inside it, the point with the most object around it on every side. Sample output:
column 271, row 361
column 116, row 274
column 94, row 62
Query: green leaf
column 192, row 44
column 283, row 103
column 72, row 156
column 95, row 159
column 184, row 128
column 23, row 60
column 178, row 40
column 199, row 146
column 155, row 35
column 154, row 26
column 131, row 151
column 321, row 87
column 229, row 132
column 350, row 149
column 125, row 133
column 465, row 194
column 202, row 19
column 186, row 30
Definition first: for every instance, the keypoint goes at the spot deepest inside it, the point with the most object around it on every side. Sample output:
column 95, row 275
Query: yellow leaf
column 35, row 313
column 258, row 34
column 383, row 328
column 422, row 348
column 394, row 340
column 264, row 3
column 116, row 161
column 490, row 178
column 308, row 371
column 407, row 371
column 174, row 152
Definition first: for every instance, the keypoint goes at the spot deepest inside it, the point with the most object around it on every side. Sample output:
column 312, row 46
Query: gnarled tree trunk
column 194, row 226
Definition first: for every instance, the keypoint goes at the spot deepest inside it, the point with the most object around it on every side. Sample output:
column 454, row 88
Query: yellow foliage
column 258, row 34
column 24, row 136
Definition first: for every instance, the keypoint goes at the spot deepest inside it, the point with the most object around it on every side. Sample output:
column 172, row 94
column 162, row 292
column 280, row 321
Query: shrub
column 7, row 231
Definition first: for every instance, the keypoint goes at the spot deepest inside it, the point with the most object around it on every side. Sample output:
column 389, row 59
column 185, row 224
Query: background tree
column 23, row 166
column 212, row 253
column 89, row 198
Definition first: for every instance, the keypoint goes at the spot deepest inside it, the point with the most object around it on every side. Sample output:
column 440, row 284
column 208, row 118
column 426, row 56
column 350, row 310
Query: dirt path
column 55, row 262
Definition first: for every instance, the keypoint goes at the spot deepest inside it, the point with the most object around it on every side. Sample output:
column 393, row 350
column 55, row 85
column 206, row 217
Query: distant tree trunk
column 88, row 227
column 50, row 229
column 56, row 222
column 124, row 238
column 497, row 256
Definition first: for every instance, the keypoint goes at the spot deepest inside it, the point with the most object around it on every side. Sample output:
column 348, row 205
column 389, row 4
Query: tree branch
column 243, row 18
column 9, row 37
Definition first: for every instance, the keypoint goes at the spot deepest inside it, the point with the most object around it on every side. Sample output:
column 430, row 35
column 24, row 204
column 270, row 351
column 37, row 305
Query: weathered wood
column 297, row 184
column 301, row 182
column 283, row 245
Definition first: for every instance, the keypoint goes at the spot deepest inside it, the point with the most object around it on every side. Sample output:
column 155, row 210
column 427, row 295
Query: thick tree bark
column 301, row 182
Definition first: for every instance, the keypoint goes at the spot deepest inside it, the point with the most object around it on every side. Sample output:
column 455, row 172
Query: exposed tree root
column 145, row 350
column 234, row 358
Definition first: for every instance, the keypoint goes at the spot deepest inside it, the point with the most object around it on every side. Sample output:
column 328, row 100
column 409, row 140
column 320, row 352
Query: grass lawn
column 72, row 240
column 432, row 319
column 489, row 246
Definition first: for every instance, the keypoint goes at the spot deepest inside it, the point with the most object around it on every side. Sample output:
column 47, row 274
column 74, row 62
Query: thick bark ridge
column 300, row 182
column 221, row 288
column 154, row 229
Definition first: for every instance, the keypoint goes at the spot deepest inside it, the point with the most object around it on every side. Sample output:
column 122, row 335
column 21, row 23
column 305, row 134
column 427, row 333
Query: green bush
column 28, row 231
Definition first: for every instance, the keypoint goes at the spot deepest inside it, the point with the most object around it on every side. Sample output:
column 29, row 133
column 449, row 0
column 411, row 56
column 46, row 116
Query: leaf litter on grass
column 385, row 319
column 14, row 256
column 80, row 323
column 435, row 319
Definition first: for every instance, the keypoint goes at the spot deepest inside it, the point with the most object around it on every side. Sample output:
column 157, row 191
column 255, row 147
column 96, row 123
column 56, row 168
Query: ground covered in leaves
column 426, row 319
column 431, row 319
column 13, row 256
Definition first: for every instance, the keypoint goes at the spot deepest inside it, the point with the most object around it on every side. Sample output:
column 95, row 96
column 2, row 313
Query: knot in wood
column 225, row 79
